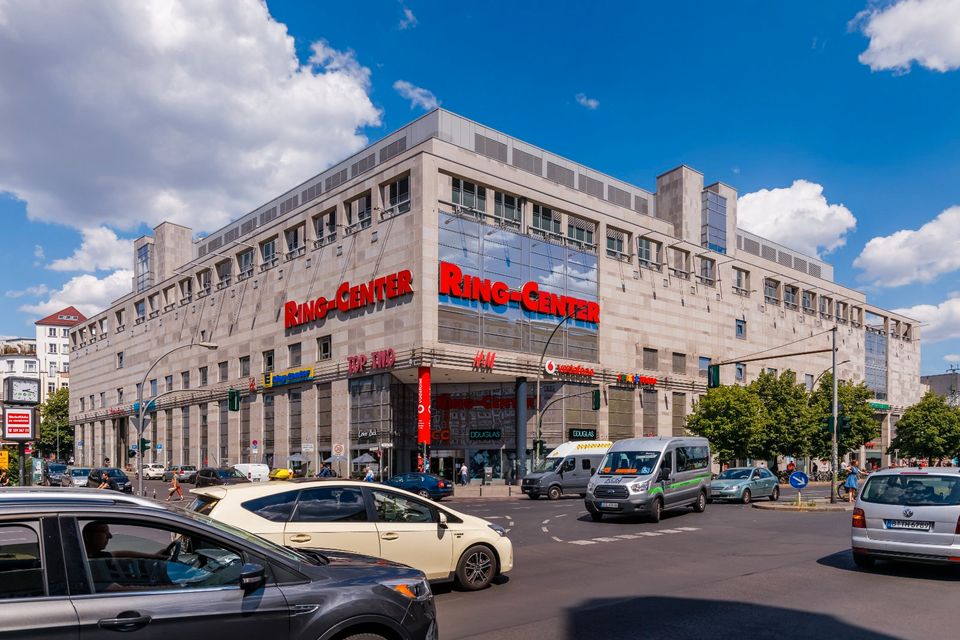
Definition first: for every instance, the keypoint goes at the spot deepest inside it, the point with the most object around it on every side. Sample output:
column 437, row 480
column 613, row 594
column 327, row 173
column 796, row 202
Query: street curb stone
column 786, row 506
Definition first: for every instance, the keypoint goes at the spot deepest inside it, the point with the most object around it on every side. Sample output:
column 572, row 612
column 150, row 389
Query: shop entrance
column 446, row 463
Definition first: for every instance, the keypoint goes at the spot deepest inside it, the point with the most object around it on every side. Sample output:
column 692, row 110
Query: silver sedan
column 744, row 484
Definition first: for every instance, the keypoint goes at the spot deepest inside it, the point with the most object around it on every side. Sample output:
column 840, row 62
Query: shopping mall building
column 408, row 292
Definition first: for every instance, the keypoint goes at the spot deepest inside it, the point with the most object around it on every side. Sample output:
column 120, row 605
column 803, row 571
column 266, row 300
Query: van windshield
column 549, row 464
column 637, row 463
column 913, row 490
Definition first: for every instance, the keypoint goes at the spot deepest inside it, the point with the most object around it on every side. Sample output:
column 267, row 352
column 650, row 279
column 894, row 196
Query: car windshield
column 549, row 464
column 638, row 463
column 188, row 468
column 255, row 540
column 230, row 473
column 735, row 474
column 115, row 473
column 913, row 490
column 58, row 468
column 79, row 472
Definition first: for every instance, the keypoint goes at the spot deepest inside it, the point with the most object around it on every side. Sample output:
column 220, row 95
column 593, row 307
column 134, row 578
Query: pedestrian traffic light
column 713, row 376
column 596, row 399
column 233, row 400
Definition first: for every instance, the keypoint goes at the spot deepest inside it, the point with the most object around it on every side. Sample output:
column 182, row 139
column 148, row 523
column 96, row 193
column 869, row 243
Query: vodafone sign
column 19, row 424
column 552, row 368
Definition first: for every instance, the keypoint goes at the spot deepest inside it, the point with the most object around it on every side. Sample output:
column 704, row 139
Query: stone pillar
column 521, row 426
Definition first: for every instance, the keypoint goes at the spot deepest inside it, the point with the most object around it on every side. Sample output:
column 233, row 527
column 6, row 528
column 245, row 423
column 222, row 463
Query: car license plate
column 912, row 525
column 609, row 505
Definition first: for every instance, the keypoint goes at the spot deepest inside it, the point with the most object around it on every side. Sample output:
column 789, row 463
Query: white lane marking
column 605, row 539
column 507, row 530
column 582, row 542
column 649, row 533
column 561, row 515
column 509, row 523
column 544, row 529
column 669, row 531
column 556, row 539
column 628, row 536
column 546, row 521
column 688, row 528
column 496, row 517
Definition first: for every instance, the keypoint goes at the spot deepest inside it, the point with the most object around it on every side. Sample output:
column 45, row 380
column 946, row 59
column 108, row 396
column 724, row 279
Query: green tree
column 731, row 418
column 857, row 423
column 789, row 429
column 54, row 422
column 928, row 429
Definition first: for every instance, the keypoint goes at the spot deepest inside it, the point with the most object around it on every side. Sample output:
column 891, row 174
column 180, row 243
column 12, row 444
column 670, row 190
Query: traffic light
column 844, row 424
column 144, row 445
column 132, row 453
column 233, row 400
column 596, row 399
column 538, row 446
column 713, row 376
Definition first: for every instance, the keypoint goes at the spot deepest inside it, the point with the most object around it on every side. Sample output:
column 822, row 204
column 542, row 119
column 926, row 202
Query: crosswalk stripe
column 605, row 539
column 582, row 542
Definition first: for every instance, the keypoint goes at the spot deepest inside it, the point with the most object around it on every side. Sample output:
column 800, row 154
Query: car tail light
column 957, row 530
column 860, row 519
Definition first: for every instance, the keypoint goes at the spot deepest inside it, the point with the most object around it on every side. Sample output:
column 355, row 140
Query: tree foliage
column 857, row 422
column 732, row 419
column 54, row 420
column 789, row 427
column 928, row 429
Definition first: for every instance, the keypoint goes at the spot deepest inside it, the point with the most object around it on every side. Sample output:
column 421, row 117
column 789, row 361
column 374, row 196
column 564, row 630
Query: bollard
column 509, row 490
column 481, row 489
column 154, row 494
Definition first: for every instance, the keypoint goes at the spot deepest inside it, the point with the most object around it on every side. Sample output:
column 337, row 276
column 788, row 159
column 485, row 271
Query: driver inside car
column 122, row 570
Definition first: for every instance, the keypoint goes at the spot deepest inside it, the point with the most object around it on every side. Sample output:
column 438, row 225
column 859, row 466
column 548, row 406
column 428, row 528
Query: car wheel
column 365, row 636
column 423, row 493
column 775, row 494
column 863, row 561
column 701, row 504
column 745, row 496
column 657, row 510
column 596, row 515
column 554, row 493
column 476, row 568
column 534, row 496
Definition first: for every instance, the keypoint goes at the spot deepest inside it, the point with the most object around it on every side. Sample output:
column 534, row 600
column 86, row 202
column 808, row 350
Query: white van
column 566, row 469
column 255, row 472
column 644, row 476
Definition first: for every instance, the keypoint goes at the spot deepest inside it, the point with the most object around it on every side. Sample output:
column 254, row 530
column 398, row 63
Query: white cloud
column 33, row 292
column 952, row 357
column 798, row 217
column 589, row 103
column 908, row 256
column 101, row 250
column 38, row 252
column 418, row 96
column 138, row 112
column 923, row 31
column 87, row 293
column 939, row 322
column 409, row 21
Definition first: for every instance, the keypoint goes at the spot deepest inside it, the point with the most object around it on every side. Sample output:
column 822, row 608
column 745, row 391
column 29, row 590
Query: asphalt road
column 731, row 572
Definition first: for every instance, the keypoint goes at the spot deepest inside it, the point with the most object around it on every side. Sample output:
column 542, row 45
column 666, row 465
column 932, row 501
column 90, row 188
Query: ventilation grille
column 268, row 215
column 640, row 205
column 335, row 180
column 394, row 148
column 814, row 270
column 202, row 251
column 799, row 264
column 248, row 226
column 591, row 186
column 364, row 164
column 768, row 253
column 560, row 175
column 784, row 258
column 289, row 205
column 215, row 244
column 490, row 148
column 231, row 235
column 618, row 197
column 527, row 162
column 311, row 193
column 751, row 246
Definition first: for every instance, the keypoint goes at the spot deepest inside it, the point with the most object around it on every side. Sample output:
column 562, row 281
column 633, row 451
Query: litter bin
column 487, row 475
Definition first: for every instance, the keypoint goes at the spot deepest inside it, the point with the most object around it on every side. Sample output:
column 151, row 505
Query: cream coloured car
column 367, row 518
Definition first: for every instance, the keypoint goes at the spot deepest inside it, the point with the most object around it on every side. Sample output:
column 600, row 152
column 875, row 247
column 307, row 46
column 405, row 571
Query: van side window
column 692, row 458
column 585, row 464
column 569, row 464
column 667, row 461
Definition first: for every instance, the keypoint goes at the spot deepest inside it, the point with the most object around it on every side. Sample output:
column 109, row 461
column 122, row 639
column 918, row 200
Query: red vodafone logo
column 550, row 367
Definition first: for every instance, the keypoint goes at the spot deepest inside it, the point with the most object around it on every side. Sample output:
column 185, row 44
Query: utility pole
column 834, row 461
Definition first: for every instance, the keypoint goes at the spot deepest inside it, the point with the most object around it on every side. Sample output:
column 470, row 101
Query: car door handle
column 125, row 621
column 390, row 536
column 300, row 537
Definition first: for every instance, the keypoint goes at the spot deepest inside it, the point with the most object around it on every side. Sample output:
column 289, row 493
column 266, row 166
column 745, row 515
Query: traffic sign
column 307, row 447
column 798, row 480
column 133, row 446
column 79, row 444
column 338, row 449
column 253, row 445
column 159, row 446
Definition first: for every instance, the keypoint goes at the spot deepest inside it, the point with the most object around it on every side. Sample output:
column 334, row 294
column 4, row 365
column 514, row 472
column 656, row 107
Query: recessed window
column 680, row 363
column 268, row 361
column 185, row 380
column 120, row 360
column 203, row 376
column 398, row 195
column 294, row 355
column 244, row 366
column 324, row 348
column 359, row 212
column 222, row 372
column 703, row 366
column 741, row 329
column 168, row 383
column 469, row 195
column 648, row 253
column 546, row 219
column 507, row 209
column 741, row 371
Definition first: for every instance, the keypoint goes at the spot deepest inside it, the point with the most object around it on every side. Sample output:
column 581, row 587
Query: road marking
column 628, row 536
column 507, row 530
column 669, row 531
column 509, row 524
column 688, row 528
column 556, row 539
column 562, row 515
column 582, row 542
column 544, row 529
column 605, row 539
column 649, row 533
column 546, row 521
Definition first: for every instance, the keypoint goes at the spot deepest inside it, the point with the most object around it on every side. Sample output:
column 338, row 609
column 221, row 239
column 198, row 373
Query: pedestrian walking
column 368, row 477
column 463, row 474
column 851, row 483
column 174, row 488
column 4, row 478
column 815, row 469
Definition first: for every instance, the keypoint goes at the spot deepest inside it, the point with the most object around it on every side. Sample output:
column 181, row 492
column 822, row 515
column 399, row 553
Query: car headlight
column 412, row 588
column 639, row 487
column 500, row 530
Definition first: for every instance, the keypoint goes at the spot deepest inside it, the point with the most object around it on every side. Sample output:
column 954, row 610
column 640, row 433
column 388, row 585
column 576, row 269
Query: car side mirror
column 442, row 519
column 664, row 474
column 252, row 577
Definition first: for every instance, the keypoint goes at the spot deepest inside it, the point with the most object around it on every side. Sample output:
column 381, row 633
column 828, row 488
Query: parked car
column 75, row 477
column 55, row 471
column 280, row 473
column 255, row 471
column 908, row 515
column 129, row 565
column 185, row 473
column 744, row 484
column 212, row 477
column 371, row 519
column 114, row 475
column 424, row 485
column 152, row 471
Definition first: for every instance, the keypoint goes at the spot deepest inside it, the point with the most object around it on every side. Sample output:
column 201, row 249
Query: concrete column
column 521, row 425
column 340, row 421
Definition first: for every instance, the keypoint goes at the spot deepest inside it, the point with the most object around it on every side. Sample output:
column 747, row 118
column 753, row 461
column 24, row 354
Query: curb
column 826, row 507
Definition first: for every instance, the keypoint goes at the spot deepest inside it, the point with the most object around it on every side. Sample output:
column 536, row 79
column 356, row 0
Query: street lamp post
column 536, row 450
column 142, row 408
column 833, row 444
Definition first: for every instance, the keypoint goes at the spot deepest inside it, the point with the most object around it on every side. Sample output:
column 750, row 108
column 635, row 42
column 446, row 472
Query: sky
column 836, row 121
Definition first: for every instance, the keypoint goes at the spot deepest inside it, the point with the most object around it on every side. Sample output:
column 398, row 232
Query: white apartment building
column 53, row 349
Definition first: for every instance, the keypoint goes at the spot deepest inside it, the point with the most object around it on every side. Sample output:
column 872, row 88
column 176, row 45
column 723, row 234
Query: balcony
column 650, row 264
column 243, row 275
column 705, row 281
column 325, row 240
column 679, row 273
column 268, row 263
column 224, row 283
column 618, row 255
column 295, row 252
column 740, row 291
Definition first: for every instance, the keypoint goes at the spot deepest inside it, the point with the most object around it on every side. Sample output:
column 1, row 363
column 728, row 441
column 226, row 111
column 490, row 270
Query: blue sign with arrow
column 798, row 480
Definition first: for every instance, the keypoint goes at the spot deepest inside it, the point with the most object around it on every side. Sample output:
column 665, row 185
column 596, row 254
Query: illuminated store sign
column 455, row 284
column 635, row 380
column 551, row 368
column 582, row 434
column 383, row 359
column 348, row 298
column 484, row 360
column 485, row 434
column 290, row 376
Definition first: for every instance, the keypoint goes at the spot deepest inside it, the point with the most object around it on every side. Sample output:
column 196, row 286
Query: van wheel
column 657, row 510
column 554, row 493
column 701, row 504
column 745, row 496
column 775, row 494
column 476, row 568
column 863, row 561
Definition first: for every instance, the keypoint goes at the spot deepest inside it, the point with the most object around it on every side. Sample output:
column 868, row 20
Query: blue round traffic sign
column 798, row 480
column 159, row 446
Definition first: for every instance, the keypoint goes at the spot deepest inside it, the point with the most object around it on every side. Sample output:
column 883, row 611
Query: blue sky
column 835, row 121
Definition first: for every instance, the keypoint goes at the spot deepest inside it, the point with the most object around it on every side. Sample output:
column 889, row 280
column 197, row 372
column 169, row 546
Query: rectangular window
column 692, row 458
column 651, row 413
column 245, row 366
column 293, row 355
column 708, row 268
column 771, row 371
column 680, row 363
column 469, row 195
column 168, row 383
column 808, row 381
column 245, row 264
column 295, row 415
column 185, row 435
column 223, row 274
column 223, row 429
column 771, row 291
column 325, row 227
column 51, row 348
column 648, row 253
column 546, row 220
column 741, row 282
column 324, row 350
column 713, row 229
column 203, row 282
column 807, row 301
column 52, row 332
column 741, row 371
column 51, row 387
column 222, row 371
column 185, row 380
column 119, row 395
column 359, row 212
column 66, row 333
column 203, row 376
column 679, row 413
column 103, row 399
column 120, row 360
column 507, row 209
column 268, row 253
column 580, row 232
column 616, row 242
column 186, row 290
column 82, row 405
column 703, row 366
column 651, row 359
column 825, row 304
column 790, row 297
column 398, row 195
column 620, row 413
column 741, row 329
column 204, row 435
column 144, row 276
column 268, row 426
column 681, row 264
column 268, row 361
column 295, row 240
column 140, row 306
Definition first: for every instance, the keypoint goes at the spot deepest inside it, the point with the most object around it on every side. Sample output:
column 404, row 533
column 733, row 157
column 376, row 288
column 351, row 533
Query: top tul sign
column 455, row 284
column 347, row 298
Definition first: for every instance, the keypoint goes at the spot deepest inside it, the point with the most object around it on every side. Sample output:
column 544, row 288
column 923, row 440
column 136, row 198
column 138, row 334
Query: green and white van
column 644, row 476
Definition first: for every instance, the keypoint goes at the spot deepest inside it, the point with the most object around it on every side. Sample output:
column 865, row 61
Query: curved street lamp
column 537, row 450
column 142, row 407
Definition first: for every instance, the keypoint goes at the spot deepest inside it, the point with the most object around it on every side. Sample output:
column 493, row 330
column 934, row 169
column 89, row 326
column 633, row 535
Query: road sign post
column 799, row 480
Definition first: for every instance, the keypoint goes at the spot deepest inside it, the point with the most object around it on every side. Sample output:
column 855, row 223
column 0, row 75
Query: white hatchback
column 367, row 518
column 908, row 515
column 153, row 471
